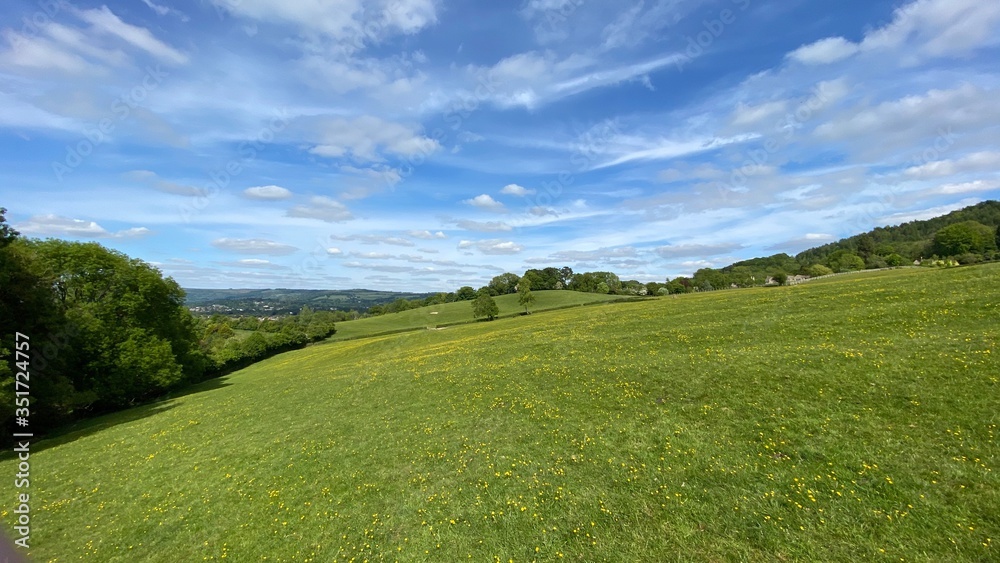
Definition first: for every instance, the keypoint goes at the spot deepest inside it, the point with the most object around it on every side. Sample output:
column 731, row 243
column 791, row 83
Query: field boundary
column 333, row 339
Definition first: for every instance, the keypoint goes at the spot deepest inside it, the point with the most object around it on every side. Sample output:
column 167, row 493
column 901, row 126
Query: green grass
column 449, row 314
column 838, row 421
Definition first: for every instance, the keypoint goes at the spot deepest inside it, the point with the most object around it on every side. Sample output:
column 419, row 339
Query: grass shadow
column 83, row 428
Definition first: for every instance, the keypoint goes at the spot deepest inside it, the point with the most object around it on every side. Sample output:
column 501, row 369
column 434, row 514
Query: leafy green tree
column 845, row 261
column 504, row 284
column 781, row 278
column 996, row 238
column 465, row 293
column 27, row 305
column 138, row 367
column 565, row 275
column 525, row 297
column 817, row 270
column 679, row 284
column 895, row 260
column 119, row 306
column 742, row 276
column 7, row 233
column 484, row 306
column 866, row 246
column 964, row 237
column 602, row 287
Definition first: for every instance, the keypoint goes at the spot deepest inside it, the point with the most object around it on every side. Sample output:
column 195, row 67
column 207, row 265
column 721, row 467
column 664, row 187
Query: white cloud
column 752, row 115
column 134, row 232
column 924, row 214
column 363, row 182
column 105, row 21
column 939, row 27
column 483, row 227
column 492, row 246
column 322, row 208
column 498, row 247
column 375, row 239
column 365, row 138
column 152, row 179
column 516, row 190
column 629, row 149
column 913, row 117
column 371, row 255
column 353, row 23
column 634, row 26
column 599, row 255
column 531, row 79
column 334, row 251
column 254, row 246
column 40, row 53
column 427, row 235
column 267, row 193
column 979, row 161
column 55, row 225
column 824, row 51
column 699, row 250
column 165, row 10
column 542, row 211
column 485, row 201
column 967, row 187
column 933, row 28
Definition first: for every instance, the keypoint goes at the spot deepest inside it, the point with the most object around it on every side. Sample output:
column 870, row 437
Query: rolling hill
column 460, row 312
column 849, row 419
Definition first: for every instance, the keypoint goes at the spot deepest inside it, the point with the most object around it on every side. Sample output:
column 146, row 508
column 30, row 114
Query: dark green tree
column 565, row 275
column 504, row 284
column 964, row 237
column 817, row 270
column 484, row 306
column 465, row 293
column 119, row 307
column 895, row 260
column 845, row 261
column 866, row 246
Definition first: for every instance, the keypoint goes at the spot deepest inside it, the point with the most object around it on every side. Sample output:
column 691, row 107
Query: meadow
column 849, row 419
column 460, row 312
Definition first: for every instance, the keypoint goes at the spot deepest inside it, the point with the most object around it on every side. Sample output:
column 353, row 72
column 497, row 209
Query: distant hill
column 283, row 301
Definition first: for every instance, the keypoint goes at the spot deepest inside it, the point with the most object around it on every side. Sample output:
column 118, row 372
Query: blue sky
column 429, row 144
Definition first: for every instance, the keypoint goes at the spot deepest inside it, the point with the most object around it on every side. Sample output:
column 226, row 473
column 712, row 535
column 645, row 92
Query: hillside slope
column 853, row 419
column 911, row 239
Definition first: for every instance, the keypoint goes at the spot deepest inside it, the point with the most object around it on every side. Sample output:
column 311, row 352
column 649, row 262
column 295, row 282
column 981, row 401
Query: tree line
column 108, row 332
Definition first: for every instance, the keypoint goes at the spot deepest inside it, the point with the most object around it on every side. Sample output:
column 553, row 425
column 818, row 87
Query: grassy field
column 854, row 419
column 447, row 314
